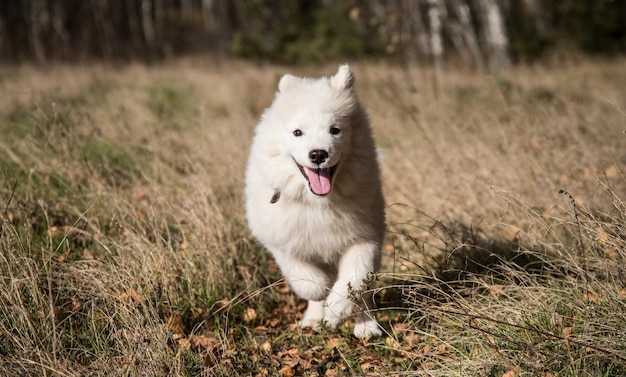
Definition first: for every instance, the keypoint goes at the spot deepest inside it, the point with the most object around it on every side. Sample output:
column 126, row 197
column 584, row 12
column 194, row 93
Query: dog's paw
column 313, row 316
column 314, row 323
column 338, row 308
column 368, row 328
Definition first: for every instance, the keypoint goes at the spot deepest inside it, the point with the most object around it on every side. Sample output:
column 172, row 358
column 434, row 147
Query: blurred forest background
column 481, row 34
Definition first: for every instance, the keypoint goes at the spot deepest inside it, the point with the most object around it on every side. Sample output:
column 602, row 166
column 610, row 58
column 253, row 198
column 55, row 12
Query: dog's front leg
column 309, row 282
column 355, row 267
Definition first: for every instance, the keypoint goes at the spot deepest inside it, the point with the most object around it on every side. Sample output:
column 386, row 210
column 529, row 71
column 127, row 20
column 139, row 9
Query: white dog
column 314, row 197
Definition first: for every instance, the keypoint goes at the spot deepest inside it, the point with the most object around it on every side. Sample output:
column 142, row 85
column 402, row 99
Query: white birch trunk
column 436, row 43
column 496, row 41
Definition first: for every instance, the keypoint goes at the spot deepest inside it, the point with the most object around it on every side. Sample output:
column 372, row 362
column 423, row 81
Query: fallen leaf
column 494, row 290
column 266, row 347
column 286, row 371
column 63, row 257
column 511, row 373
column 175, row 323
column 591, row 297
column 76, row 305
column 602, row 237
column 204, row 341
column 611, row 172
column 184, row 343
column 332, row 343
column 512, row 233
column 139, row 195
column 567, row 331
column 399, row 328
column 248, row 315
column 412, row 338
column 88, row 255
column 130, row 295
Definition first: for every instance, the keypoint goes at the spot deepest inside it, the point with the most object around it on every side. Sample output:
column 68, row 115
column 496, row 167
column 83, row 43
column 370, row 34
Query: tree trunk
column 148, row 28
column 436, row 42
column 494, row 35
column 36, row 20
column 466, row 38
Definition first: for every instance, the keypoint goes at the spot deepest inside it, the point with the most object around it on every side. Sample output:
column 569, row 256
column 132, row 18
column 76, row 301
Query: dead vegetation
column 124, row 248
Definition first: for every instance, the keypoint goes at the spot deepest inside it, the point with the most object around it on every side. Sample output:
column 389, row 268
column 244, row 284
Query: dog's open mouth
column 320, row 180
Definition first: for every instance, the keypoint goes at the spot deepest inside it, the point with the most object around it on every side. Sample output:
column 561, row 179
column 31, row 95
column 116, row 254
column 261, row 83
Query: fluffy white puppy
column 314, row 198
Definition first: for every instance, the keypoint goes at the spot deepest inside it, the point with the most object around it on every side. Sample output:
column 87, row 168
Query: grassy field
column 124, row 249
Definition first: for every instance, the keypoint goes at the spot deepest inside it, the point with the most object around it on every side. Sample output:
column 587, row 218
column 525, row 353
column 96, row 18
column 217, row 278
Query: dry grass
column 124, row 248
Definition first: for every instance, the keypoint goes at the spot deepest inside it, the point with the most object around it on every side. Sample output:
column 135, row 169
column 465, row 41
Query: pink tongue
column 319, row 179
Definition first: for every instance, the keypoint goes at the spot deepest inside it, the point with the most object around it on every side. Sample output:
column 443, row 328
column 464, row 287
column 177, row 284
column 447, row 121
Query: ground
column 124, row 247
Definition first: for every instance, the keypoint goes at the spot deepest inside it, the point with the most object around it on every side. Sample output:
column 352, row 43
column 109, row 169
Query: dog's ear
column 286, row 82
column 343, row 79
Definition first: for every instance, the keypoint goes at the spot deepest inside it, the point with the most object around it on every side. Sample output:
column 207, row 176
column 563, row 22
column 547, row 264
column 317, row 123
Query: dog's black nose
column 318, row 156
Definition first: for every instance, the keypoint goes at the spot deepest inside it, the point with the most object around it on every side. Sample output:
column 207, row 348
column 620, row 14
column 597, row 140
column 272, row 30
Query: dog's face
column 316, row 142
column 316, row 133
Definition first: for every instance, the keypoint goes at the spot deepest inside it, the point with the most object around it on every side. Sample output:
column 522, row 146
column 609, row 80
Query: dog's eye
column 297, row 133
column 335, row 130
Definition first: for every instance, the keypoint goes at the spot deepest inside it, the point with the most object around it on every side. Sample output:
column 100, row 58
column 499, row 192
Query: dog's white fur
column 326, row 245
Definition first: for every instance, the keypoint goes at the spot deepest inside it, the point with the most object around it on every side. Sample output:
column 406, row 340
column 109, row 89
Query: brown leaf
column 332, row 343
column 63, row 257
column 612, row 171
column 511, row 373
column 130, row 295
column 248, row 315
column 175, row 323
column 266, row 347
column 88, row 255
column 184, row 343
column 286, row 371
column 567, row 331
column 204, row 341
column 76, row 305
column 399, row 328
column 494, row 290
column 591, row 297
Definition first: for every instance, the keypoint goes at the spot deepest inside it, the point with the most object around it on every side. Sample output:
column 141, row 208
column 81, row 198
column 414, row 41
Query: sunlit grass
column 124, row 247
